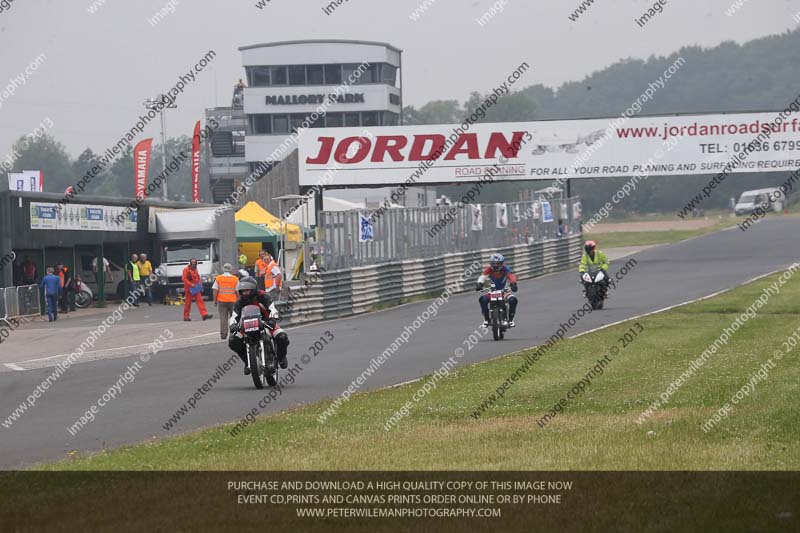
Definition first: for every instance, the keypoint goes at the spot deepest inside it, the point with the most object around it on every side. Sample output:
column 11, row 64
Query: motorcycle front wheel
column 271, row 370
column 496, row 333
column 592, row 296
column 256, row 370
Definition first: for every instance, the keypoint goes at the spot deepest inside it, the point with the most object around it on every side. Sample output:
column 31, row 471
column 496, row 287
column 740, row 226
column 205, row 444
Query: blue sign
column 46, row 212
column 367, row 229
column 547, row 211
column 93, row 213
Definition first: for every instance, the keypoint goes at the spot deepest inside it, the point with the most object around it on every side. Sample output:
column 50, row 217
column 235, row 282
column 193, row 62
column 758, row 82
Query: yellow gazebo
column 255, row 214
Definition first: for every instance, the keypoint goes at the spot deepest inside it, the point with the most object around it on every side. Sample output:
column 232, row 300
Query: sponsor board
column 590, row 148
column 27, row 180
column 48, row 216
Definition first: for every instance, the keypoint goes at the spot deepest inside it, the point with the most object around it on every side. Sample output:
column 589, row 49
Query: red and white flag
column 141, row 164
column 196, row 164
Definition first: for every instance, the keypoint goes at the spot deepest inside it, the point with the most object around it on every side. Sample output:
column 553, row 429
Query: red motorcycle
column 262, row 359
column 498, row 311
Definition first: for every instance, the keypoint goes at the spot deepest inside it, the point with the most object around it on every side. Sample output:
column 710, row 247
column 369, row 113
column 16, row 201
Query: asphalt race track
column 664, row 276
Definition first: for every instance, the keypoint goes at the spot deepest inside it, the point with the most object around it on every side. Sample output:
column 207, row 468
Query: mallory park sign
column 294, row 99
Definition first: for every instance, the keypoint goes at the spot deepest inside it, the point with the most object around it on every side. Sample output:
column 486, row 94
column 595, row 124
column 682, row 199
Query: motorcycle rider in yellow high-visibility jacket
column 593, row 257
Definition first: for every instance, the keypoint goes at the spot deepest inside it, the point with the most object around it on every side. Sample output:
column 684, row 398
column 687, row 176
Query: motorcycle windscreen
column 251, row 316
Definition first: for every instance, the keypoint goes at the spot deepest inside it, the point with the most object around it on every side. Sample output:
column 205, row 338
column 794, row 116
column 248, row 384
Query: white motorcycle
column 595, row 287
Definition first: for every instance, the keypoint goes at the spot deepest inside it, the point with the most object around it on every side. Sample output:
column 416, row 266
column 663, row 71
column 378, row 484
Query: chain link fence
column 359, row 238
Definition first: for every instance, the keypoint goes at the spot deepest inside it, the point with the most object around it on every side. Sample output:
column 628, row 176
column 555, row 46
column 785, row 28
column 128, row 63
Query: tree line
column 757, row 76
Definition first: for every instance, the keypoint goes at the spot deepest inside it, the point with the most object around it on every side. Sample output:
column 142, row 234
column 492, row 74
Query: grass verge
column 643, row 238
column 596, row 431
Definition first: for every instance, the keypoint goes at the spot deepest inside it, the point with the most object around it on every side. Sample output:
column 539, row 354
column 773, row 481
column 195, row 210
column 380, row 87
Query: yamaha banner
column 196, row 164
column 141, row 164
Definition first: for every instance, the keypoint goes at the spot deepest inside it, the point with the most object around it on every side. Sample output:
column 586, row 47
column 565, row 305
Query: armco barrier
column 358, row 290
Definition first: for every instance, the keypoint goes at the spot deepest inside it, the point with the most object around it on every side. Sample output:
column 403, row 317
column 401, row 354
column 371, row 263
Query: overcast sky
column 100, row 67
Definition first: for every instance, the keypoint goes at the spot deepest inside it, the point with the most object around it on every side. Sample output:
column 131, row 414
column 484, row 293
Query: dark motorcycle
column 262, row 359
column 498, row 311
column 595, row 287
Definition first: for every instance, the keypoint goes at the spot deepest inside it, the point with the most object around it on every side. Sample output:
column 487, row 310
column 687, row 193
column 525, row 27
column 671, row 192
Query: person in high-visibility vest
column 134, row 279
column 593, row 258
column 67, row 287
column 224, row 297
column 261, row 268
column 272, row 278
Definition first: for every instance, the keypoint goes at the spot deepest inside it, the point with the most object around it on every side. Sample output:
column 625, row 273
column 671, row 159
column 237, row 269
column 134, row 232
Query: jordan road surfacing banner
column 590, row 148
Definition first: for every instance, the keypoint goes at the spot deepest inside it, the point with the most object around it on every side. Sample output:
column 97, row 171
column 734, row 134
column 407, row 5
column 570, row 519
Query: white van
column 113, row 286
column 767, row 199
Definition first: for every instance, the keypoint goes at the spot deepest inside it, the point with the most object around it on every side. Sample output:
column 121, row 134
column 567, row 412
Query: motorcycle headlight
column 163, row 281
column 600, row 276
column 587, row 278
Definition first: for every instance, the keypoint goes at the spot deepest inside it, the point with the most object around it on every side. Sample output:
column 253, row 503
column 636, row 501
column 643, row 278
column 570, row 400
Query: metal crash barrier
column 19, row 302
column 350, row 291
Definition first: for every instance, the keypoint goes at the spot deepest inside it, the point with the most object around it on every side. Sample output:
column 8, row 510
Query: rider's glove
column 514, row 287
column 479, row 287
column 271, row 323
column 234, row 328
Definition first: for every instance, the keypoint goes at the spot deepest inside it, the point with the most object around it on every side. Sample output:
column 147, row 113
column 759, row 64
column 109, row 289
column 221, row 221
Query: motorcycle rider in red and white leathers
column 247, row 288
column 499, row 275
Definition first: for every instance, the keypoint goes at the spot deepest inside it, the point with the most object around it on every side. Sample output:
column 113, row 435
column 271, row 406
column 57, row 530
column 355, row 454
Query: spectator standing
column 272, row 278
column 243, row 263
column 29, row 271
column 106, row 271
column 316, row 261
column 145, row 271
column 134, row 279
column 563, row 229
column 67, row 288
column 238, row 94
column 51, row 285
column 193, row 291
column 261, row 268
column 224, row 297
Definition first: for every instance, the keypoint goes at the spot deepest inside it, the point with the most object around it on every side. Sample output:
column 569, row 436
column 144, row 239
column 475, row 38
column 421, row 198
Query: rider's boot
column 244, row 362
column 282, row 342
